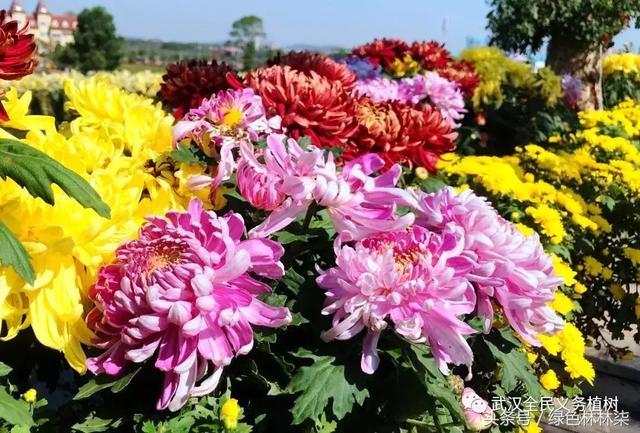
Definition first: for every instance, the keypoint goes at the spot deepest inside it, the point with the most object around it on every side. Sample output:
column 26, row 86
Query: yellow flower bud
column 549, row 380
column 422, row 173
column 30, row 396
column 229, row 413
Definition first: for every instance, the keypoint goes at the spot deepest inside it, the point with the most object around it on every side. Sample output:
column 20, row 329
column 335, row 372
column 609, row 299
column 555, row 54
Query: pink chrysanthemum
column 513, row 269
column 183, row 290
column 379, row 89
column 445, row 95
column 221, row 123
column 413, row 278
column 358, row 203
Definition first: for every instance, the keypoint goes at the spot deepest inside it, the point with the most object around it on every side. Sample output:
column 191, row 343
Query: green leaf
column 432, row 184
column 436, row 383
column 122, row 383
column 515, row 367
column 36, row 171
column 15, row 412
column 4, row 369
column 94, row 424
column 189, row 154
column 94, row 385
column 12, row 253
column 317, row 384
column 293, row 280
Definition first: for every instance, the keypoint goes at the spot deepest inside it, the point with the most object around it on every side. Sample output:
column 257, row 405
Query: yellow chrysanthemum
column 562, row 303
column 111, row 141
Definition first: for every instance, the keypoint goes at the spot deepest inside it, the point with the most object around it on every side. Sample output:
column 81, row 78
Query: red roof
column 64, row 22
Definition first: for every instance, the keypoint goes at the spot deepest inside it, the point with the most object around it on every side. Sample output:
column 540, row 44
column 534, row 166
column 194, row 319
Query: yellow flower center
column 233, row 117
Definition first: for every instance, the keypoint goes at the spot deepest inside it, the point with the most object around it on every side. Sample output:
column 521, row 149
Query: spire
column 16, row 6
column 41, row 8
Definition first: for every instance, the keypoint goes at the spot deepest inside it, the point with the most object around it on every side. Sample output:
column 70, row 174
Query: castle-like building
column 50, row 30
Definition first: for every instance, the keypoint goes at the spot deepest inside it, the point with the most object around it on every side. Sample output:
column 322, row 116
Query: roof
column 41, row 8
column 16, row 6
column 64, row 22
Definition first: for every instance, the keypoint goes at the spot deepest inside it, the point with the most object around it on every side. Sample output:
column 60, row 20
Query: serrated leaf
column 515, row 368
column 94, row 425
column 320, row 382
column 15, row 412
column 188, row 154
column 436, row 383
column 36, row 171
column 293, row 281
column 13, row 254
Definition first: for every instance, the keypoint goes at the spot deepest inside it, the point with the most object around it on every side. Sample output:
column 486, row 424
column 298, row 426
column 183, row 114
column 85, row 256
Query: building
column 50, row 30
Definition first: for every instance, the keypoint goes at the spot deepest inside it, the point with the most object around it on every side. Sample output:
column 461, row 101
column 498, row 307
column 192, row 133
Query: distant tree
column 247, row 29
column 249, row 56
column 96, row 45
column 247, row 33
column 578, row 32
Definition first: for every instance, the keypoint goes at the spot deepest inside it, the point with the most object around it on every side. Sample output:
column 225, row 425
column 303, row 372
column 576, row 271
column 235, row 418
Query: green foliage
column 317, row 384
column 96, row 45
column 247, row 29
column 36, row 171
column 13, row 254
column 524, row 24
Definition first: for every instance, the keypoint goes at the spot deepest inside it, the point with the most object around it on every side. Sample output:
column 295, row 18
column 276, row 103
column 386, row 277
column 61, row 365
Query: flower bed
column 281, row 252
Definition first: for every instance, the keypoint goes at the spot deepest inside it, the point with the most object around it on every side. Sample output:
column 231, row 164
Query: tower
column 17, row 12
column 43, row 24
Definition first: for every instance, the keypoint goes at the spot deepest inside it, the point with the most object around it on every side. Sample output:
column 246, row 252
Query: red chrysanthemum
column 308, row 104
column 413, row 135
column 463, row 73
column 17, row 52
column 324, row 66
column 187, row 83
column 431, row 55
column 382, row 51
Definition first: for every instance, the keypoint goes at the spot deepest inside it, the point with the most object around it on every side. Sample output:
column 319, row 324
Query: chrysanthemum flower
column 294, row 178
column 308, row 104
column 221, row 123
column 379, row 89
column 463, row 73
column 188, row 82
column 363, row 68
column 382, row 51
column 513, row 269
column 414, row 279
column 183, row 290
column 413, row 135
column 17, row 52
column 324, row 66
column 431, row 55
column 442, row 93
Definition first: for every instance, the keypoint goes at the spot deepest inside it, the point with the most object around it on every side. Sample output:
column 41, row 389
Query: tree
column 96, row 45
column 246, row 33
column 578, row 32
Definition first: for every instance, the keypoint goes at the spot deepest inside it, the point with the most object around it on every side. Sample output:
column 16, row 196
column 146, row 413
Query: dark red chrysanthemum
column 308, row 104
column 187, row 83
column 431, row 55
column 324, row 66
column 463, row 73
column 17, row 52
column 383, row 51
column 413, row 135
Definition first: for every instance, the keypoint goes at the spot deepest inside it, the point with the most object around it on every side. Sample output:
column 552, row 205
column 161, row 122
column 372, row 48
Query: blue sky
column 287, row 22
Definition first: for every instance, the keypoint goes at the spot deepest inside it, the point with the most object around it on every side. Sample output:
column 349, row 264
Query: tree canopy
column 524, row 24
column 96, row 45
